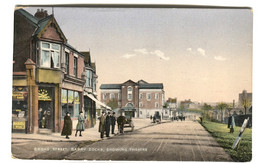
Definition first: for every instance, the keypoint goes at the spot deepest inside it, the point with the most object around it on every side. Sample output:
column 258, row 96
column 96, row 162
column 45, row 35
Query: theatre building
column 49, row 75
column 141, row 99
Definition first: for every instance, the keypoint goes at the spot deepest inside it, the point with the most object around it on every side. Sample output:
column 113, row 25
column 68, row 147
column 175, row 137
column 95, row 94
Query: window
column 148, row 96
column 129, row 93
column 104, row 96
column 112, row 96
column 140, row 104
column 67, row 62
column 94, row 84
column 140, row 96
column 156, row 96
column 119, row 96
column 156, row 105
column 70, row 102
column 75, row 67
column 89, row 78
column 50, row 55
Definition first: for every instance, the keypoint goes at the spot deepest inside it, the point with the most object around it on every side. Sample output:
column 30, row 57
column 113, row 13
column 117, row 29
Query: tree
column 222, row 106
column 113, row 103
column 245, row 103
column 206, row 109
column 166, row 105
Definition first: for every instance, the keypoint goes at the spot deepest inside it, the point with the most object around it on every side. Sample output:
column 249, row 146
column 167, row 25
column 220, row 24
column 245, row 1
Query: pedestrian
column 113, row 122
column 108, row 123
column 40, row 114
column 67, row 127
column 80, row 126
column 102, row 123
column 121, row 122
column 151, row 117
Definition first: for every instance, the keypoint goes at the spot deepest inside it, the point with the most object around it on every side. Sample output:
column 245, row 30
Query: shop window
column 70, row 102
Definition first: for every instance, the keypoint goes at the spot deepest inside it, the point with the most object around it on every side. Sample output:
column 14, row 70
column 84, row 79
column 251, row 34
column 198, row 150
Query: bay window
column 50, row 55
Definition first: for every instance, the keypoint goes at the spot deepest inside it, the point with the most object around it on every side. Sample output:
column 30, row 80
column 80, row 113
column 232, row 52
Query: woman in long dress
column 80, row 126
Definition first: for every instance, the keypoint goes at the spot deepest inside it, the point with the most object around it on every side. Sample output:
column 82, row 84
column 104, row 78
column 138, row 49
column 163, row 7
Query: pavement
column 90, row 134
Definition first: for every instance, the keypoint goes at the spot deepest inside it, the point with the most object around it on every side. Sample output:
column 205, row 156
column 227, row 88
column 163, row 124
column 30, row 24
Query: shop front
column 19, row 109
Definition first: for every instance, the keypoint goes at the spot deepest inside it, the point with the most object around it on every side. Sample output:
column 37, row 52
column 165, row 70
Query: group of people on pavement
column 107, row 121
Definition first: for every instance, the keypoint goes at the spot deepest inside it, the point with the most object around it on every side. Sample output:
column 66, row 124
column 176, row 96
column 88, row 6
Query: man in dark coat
column 40, row 117
column 121, row 122
column 108, row 123
column 102, row 124
column 113, row 122
column 67, row 127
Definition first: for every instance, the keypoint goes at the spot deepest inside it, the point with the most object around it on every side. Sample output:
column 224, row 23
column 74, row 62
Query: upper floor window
column 75, row 66
column 129, row 93
column 156, row 96
column 148, row 96
column 112, row 95
column 140, row 96
column 50, row 55
column 89, row 78
column 66, row 62
column 104, row 96
column 157, row 105
column 94, row 84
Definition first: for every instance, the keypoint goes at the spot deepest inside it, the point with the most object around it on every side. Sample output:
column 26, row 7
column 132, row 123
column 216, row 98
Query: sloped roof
column 41, row 23
column 29, row 16
column 110, row 86
column 151, row 86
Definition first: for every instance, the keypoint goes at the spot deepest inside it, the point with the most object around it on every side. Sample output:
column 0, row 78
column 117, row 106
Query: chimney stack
column 40, row 14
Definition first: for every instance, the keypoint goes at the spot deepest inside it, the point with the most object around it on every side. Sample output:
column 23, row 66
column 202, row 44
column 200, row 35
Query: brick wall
column 80, row 66
column 71, row 64
column 23, row 31
column 51, row 33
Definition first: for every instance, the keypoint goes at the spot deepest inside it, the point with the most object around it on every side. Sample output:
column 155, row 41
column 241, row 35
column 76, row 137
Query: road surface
column 173, row 141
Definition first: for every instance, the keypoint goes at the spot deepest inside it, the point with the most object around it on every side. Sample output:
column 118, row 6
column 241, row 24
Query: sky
column 200, row 54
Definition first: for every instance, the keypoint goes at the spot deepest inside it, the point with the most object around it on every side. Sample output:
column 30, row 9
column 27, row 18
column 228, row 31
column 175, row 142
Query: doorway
column 46, row 108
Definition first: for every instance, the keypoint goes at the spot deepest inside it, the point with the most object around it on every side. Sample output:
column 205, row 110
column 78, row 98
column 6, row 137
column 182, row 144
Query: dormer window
column 50, row 55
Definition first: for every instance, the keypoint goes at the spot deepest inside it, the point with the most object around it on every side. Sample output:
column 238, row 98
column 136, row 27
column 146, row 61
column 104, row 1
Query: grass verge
column 243, row 153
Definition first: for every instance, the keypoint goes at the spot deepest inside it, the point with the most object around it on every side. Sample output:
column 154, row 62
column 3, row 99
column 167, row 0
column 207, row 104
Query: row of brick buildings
column 50, row 74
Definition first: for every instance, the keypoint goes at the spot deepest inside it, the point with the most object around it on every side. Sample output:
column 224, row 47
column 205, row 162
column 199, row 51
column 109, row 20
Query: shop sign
column 18, row 96
column 44, row 95
column 19, row 125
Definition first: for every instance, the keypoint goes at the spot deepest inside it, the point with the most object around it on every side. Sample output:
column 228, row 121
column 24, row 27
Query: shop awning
column 97, row 101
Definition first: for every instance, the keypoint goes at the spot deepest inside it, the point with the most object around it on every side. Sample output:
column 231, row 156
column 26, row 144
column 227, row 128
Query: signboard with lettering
column 44, row 95
column 19, row 125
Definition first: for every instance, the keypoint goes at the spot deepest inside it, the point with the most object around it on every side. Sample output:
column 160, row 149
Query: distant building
column 143, row 97
column 247, row 96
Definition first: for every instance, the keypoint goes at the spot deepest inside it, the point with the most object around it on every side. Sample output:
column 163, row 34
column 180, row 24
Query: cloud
column 142, row 51
column 160, row 54
column 127, row 56
column 220, row 58
column 201, row 51
column 189, row 49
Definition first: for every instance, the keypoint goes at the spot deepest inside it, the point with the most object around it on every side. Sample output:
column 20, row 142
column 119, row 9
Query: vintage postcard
column 132, row 83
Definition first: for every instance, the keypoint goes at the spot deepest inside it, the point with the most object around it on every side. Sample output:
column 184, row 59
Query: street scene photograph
column 132, row 83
